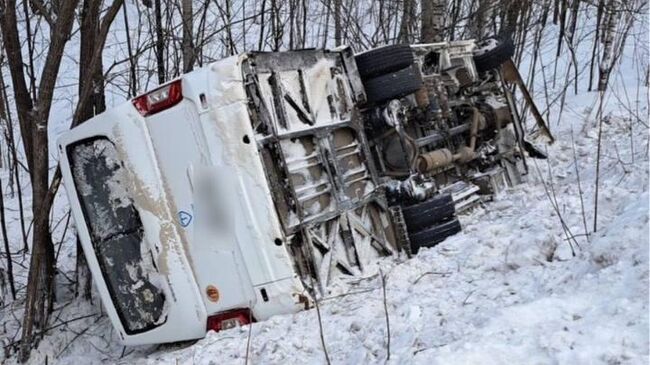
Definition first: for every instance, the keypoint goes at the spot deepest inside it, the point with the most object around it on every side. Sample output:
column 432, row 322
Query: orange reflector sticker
column 213, row 293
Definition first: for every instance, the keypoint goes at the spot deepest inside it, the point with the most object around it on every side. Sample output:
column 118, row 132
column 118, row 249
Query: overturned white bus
column 237, row 191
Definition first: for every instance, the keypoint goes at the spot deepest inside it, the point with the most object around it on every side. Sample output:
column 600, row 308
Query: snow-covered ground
column 506, row 290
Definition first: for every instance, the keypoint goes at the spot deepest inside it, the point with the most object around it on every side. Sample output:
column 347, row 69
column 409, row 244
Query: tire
column 384, row 60
column 433, row 235
column 494, row 57
column 393, row 85
column 428, row 213
column 432, row 216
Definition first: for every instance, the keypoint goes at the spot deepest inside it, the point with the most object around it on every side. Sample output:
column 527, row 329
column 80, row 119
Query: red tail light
column 230, row 319
column 160, row 99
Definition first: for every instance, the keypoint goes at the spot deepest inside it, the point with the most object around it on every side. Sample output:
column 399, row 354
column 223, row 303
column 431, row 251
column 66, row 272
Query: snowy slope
column 506, row 290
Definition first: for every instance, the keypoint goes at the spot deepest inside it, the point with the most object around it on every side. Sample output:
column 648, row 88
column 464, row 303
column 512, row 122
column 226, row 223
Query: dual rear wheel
column 388, row 73
column 430, row 222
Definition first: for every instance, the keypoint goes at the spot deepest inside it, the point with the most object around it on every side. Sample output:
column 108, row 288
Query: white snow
column 505, row 290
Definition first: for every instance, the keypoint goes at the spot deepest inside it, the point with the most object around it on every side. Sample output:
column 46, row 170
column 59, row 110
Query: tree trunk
column 14, row 168
column 513, row 9
column 608, row 42
column 23, row 100
column 260, row 43
column 406, row 25
column 337, row 22
column 480, row 24
column 88, row 33
column 89, row 30
column 160, row 43
column 276, row 26
column 3, row 225
column 33, row 117
column 40, row 282
column 432, row 20
column 188, row 51
column 133, row 79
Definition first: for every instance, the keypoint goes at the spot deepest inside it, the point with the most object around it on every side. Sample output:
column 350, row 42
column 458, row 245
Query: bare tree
column 33, row 114
column 15, row 163
column 89, row 30
column 133, row 59
column 337, row 22
column 209, row 30
column 160, row 43
column 188, row 25
column 432, row 20
column 5, row 238
column 407, row 23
